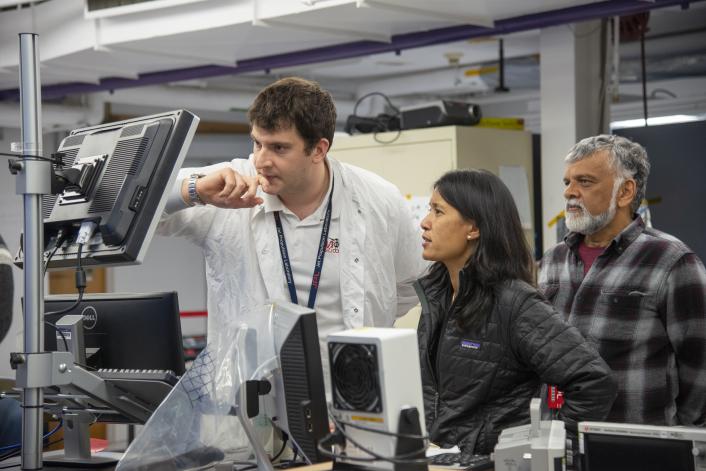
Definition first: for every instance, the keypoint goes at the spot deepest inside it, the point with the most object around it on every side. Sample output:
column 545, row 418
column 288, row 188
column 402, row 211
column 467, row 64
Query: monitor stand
column 77, row 445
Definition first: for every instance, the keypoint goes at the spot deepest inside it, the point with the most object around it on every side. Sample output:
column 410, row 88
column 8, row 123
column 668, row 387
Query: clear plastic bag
column 197, row 425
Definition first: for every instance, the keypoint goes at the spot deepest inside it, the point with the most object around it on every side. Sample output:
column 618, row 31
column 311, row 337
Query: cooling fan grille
column 355, row 377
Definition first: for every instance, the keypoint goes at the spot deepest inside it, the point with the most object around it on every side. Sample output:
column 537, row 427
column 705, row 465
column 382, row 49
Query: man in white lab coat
column 290, row 223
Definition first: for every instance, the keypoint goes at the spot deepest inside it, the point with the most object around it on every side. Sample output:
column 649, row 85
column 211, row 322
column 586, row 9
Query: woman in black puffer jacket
column 487, row 338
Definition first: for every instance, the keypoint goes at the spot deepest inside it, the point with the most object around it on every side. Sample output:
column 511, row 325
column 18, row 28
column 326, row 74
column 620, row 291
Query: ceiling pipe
column 57, row 117
column 364, row 48
column 198, row 99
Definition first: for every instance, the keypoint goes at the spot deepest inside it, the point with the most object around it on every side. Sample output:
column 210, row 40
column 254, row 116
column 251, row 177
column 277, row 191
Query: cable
column 655, row 91
column 401, row 459
column 380, row 432
column 381, row 123
column 47, row 435
column 85, row 233
column 58, row 440
column 380, row 141
column 28, row 156
column 284, row 446
column 367, row 95
column 60, row 332
column 80, row 285
column 11, row 465
column 18, row 451
column 11, row 454
column 51, row 255
column 61, row 237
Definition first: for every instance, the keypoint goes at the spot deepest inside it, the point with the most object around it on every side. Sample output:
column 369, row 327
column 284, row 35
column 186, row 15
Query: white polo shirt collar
column 273, row 203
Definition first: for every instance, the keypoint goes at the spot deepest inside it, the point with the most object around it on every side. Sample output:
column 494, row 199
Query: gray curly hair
column 628, row 158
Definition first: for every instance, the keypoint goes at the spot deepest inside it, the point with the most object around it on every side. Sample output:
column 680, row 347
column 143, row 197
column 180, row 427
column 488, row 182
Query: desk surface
column 327, row 467
column 316, row 467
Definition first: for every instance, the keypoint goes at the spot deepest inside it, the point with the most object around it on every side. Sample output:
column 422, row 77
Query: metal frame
column 33, row 181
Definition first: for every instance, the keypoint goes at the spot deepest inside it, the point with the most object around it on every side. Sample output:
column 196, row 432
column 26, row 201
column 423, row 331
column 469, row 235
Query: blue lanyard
column 319, row 256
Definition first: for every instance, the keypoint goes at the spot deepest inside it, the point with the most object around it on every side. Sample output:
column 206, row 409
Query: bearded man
column 638, row 295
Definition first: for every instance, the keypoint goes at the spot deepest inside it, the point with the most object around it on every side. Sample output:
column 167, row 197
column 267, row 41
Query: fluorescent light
column 656, row 121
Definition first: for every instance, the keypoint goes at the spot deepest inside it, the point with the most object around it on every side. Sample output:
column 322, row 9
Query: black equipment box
column 439, row 113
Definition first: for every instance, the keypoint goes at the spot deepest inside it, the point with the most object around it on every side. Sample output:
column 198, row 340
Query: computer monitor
column 629, row 447
column 119, row 173
column 300, row 397
column 124, row 331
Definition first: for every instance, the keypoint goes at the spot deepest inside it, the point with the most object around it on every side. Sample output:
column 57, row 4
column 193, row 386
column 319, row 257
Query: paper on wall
column 418, row 206
column 515, row 178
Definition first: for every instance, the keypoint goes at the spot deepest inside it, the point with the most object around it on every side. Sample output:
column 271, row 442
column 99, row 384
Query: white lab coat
column 380, row 256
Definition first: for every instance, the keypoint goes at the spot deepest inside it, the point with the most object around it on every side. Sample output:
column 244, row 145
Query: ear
column 473, row 232
column 318, row 153
column 626, row 193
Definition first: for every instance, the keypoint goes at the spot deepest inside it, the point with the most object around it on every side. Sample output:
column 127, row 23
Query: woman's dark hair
column 502, row 252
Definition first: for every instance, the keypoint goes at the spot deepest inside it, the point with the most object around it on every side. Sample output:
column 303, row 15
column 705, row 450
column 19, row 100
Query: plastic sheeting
column 197, row 424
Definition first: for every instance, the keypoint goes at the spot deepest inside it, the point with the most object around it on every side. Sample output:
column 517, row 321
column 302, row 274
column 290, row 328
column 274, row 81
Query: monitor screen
column 608, row 446
column 302, row 413
column 129, row 331
column 116, row 175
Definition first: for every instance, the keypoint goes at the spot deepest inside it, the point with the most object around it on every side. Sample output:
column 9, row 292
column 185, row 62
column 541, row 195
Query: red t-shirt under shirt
column 588, row 255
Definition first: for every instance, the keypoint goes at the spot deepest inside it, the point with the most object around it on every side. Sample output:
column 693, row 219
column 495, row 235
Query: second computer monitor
column 634, row 447
column 129, row 331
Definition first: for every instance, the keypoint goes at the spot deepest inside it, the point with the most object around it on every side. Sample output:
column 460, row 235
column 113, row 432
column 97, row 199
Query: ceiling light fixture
column 656, row 121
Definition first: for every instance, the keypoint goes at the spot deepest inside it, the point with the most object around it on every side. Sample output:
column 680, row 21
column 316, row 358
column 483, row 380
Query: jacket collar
column 620, row 243
column 438, row 291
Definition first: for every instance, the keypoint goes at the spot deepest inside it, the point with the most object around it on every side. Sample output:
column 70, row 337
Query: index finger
column 253, row 183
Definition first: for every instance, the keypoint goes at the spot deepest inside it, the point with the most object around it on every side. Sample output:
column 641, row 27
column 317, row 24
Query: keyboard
column 147, row 387
column 464, row 461
column 165, row 376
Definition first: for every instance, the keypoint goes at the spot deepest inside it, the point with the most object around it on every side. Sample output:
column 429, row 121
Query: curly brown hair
column 297, row 102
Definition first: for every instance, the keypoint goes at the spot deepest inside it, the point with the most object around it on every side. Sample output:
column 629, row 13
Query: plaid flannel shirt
column 642, row 305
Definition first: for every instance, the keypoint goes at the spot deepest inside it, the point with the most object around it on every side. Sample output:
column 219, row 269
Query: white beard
column 584, row 222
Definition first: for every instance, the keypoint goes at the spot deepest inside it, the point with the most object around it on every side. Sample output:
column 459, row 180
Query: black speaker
column 364, row 125
column 439, row 113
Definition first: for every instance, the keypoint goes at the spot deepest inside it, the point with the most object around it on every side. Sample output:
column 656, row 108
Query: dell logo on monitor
column 90, row 317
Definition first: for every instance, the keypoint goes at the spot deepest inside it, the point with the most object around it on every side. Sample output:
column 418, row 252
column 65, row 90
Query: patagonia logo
column 470, row 345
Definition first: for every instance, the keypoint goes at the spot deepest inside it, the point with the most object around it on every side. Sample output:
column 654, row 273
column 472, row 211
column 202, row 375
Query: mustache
column 575, row 203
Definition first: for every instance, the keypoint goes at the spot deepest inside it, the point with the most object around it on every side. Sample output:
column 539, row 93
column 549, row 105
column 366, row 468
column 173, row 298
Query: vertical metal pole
column 616, row 60
column 644, row 72
column 501, row 68
column 31, row 184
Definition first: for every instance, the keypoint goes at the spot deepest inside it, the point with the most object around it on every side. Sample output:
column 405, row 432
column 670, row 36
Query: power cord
column 249, row 465
column 284, row 446
column 62, row 236
column 80, row 285
column 55, row 158
column 60, row 332
column 85, row 233
column 383, row 122
column 17, row 446
column 339, row 436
